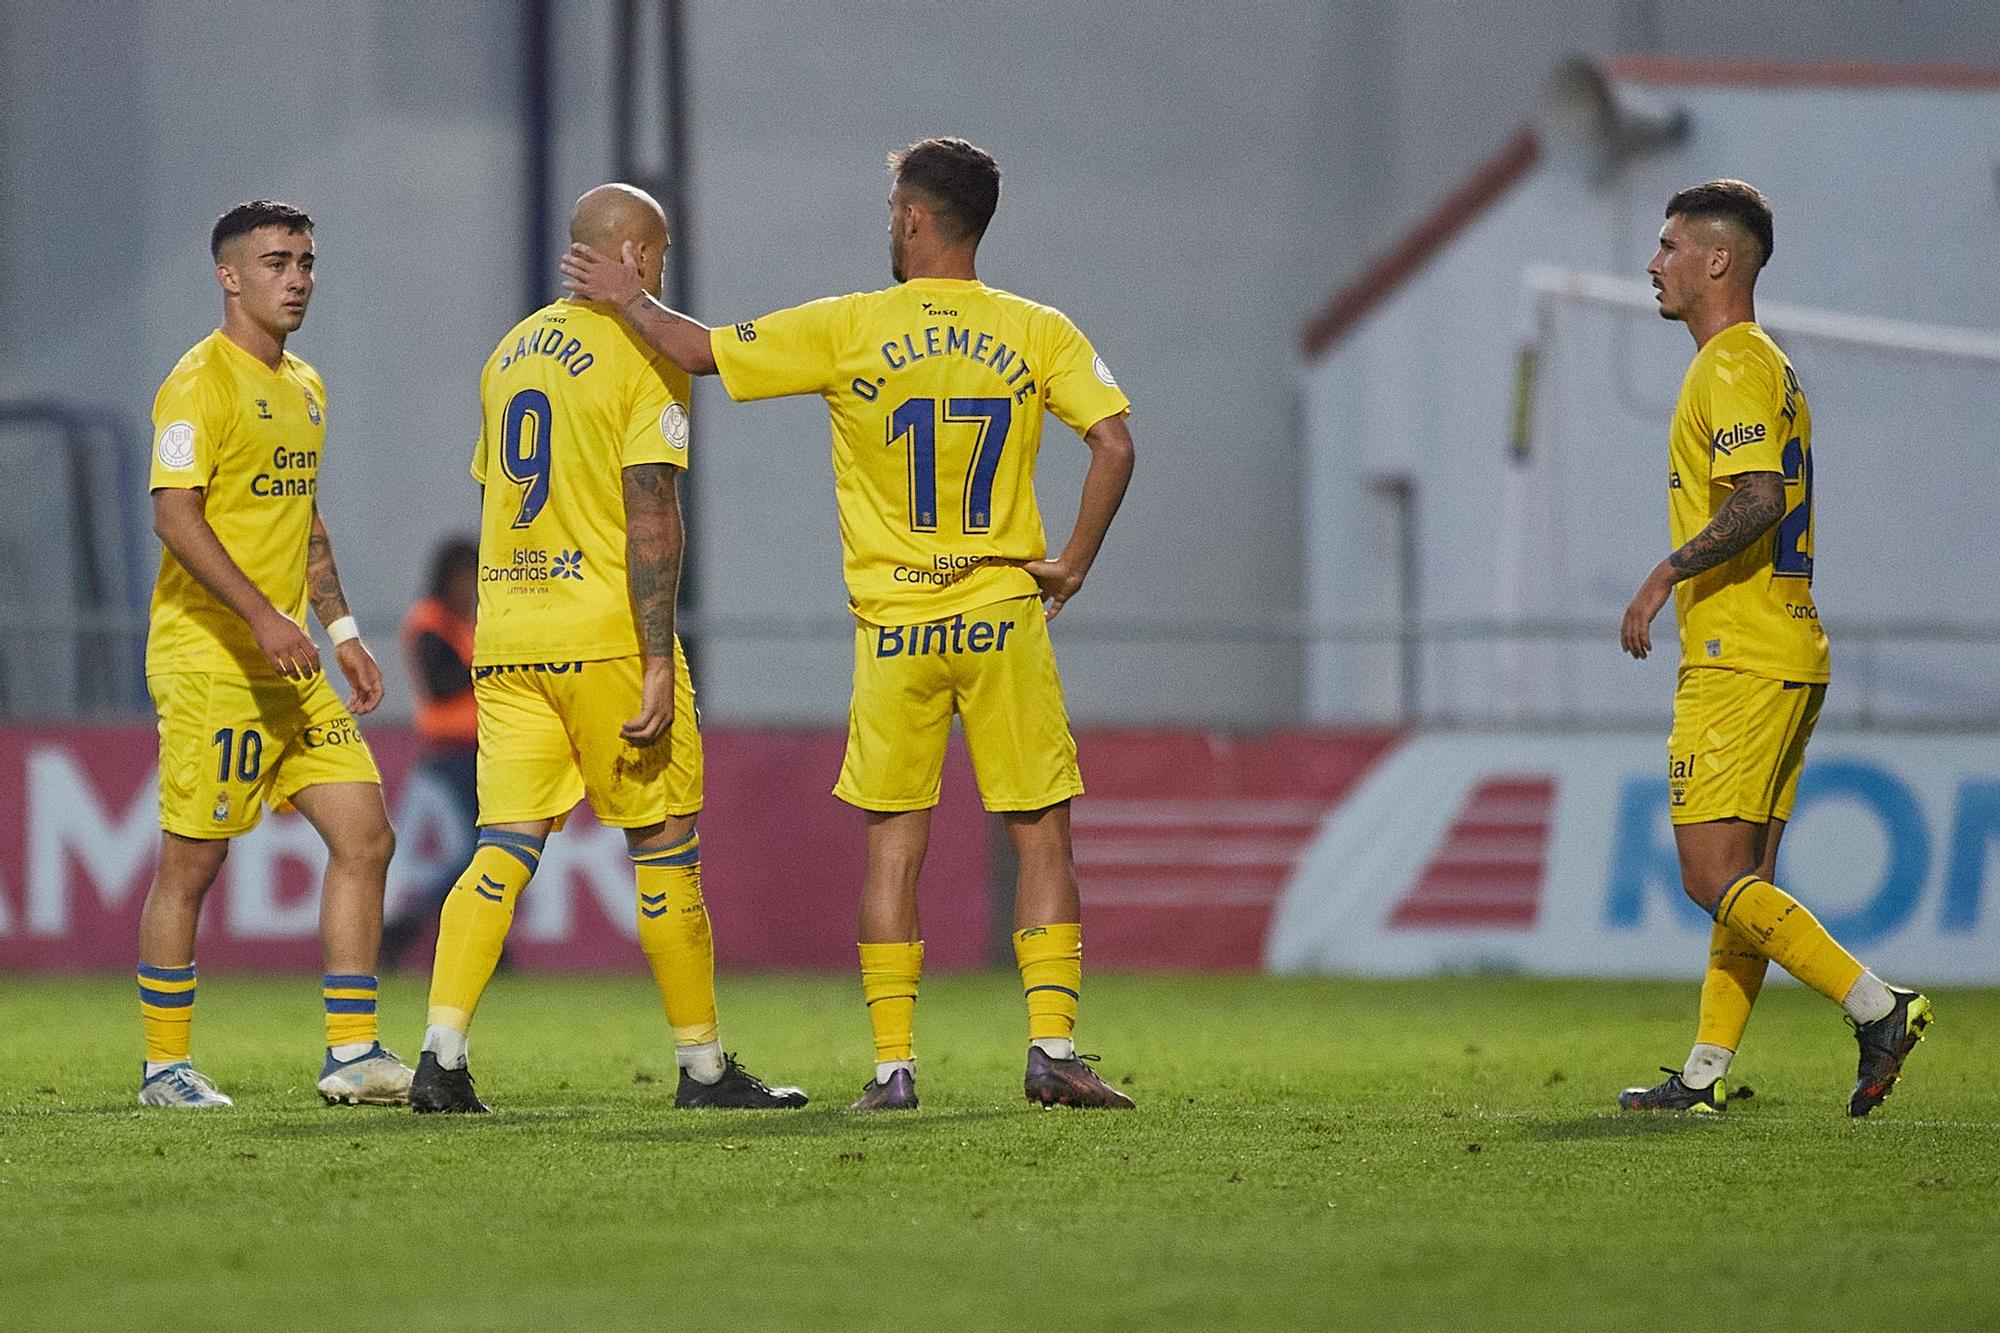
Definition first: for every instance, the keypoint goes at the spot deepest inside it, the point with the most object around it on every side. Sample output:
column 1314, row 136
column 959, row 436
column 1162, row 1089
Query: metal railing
column 1414, row 672
column 70, row 577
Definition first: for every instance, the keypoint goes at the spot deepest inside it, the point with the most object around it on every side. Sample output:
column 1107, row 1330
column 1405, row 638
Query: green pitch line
column 1305, row 1154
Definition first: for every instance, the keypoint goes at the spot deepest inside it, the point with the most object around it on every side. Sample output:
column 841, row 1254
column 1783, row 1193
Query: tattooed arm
column 1755, row 502
column 329, row 603
column 653, row 543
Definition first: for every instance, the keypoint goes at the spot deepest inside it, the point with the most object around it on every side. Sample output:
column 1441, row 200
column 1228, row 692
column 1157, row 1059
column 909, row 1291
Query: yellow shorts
column 229, row 747
column 548, row 737
column 1737, row 745
column 996, row 669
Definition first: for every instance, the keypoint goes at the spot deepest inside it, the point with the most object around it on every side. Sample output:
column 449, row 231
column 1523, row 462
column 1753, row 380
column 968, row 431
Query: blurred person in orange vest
column 437, row 645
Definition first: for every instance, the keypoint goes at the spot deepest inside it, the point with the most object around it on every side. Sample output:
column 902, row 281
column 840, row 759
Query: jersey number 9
column 525, row 450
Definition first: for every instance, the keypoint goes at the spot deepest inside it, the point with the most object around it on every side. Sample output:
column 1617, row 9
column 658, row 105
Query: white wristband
column 341, row 630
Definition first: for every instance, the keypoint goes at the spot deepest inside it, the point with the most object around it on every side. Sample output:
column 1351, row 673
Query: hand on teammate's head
column 595, row 276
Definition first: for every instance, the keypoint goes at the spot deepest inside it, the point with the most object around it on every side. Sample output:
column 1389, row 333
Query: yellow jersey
column 568, row 400
column 1741, row 410
column 936, row 389
column 251, row 438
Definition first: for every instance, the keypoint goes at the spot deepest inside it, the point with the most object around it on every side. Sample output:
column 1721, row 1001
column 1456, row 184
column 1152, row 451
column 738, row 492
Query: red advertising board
column 1183, row 846
column 781, row 861
column 1187, row 838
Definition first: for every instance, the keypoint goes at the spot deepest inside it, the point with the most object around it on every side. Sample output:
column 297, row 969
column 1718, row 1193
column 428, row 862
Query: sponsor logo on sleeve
column 674, row 426
column 746, row 332
column 1731, row 438
column 175, row 448
column 1102, row 371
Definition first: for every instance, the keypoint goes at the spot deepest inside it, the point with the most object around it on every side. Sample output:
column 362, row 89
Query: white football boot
column 181, row 1084
column 375, row 1078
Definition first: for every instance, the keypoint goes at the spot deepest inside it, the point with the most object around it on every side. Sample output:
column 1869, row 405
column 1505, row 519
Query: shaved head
column 613, row 216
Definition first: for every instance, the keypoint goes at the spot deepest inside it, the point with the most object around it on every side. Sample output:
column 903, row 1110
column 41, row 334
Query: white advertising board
column 1553, row 855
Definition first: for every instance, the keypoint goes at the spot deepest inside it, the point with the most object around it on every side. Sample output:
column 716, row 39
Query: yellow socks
column 1051, row 962
column 889, row 976
column 166, row 1004
column 674, row 932
column 1735, row 975
column 1789, row 935
column 1728, row 989
column 350, row 1012
column 473, row 927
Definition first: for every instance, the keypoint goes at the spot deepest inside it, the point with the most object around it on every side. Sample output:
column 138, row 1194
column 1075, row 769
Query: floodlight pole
column 538, row 146
column 664, row 173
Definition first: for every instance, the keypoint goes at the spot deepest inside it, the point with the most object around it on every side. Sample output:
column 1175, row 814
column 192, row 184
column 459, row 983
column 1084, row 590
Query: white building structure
column 1487, row 408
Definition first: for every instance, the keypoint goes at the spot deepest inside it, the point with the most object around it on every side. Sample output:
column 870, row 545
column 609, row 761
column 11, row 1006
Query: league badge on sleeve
column 176, row 446
column 1102, row 371
column 674, row 426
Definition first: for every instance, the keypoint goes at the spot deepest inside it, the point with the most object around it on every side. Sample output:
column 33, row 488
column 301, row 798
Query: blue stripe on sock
column 499, row 837
column 347, row 981
column 167, row 999
column 668, row 858
column 350, row 1006
column 685, row 852
column 531, row 859
column 491, row 889
column 1064, row 989
column 167, row 973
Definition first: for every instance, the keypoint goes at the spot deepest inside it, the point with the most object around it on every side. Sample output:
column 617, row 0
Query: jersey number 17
column 915, row 424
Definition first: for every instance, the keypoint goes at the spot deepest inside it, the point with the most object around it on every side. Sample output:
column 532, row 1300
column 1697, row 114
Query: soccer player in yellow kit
column 246, row 717
column 937, row 388
column 1753, row 656
column 578, row 677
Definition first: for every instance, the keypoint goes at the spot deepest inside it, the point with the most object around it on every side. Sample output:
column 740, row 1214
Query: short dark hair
column 246, row 218
column 1739, row 201
column 962, row 180
column 452, row 555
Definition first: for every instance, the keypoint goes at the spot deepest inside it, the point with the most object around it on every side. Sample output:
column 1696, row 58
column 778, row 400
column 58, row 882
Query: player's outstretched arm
column 654, row 539
column 1755, row 502
column 1110, row 442
column 595, row 276
column 180, row 518
column 329, row 603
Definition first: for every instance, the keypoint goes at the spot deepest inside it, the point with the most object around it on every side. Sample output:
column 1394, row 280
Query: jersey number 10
column 916, row 422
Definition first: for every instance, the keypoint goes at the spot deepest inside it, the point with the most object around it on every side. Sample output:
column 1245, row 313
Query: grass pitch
column 1305, row 1154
